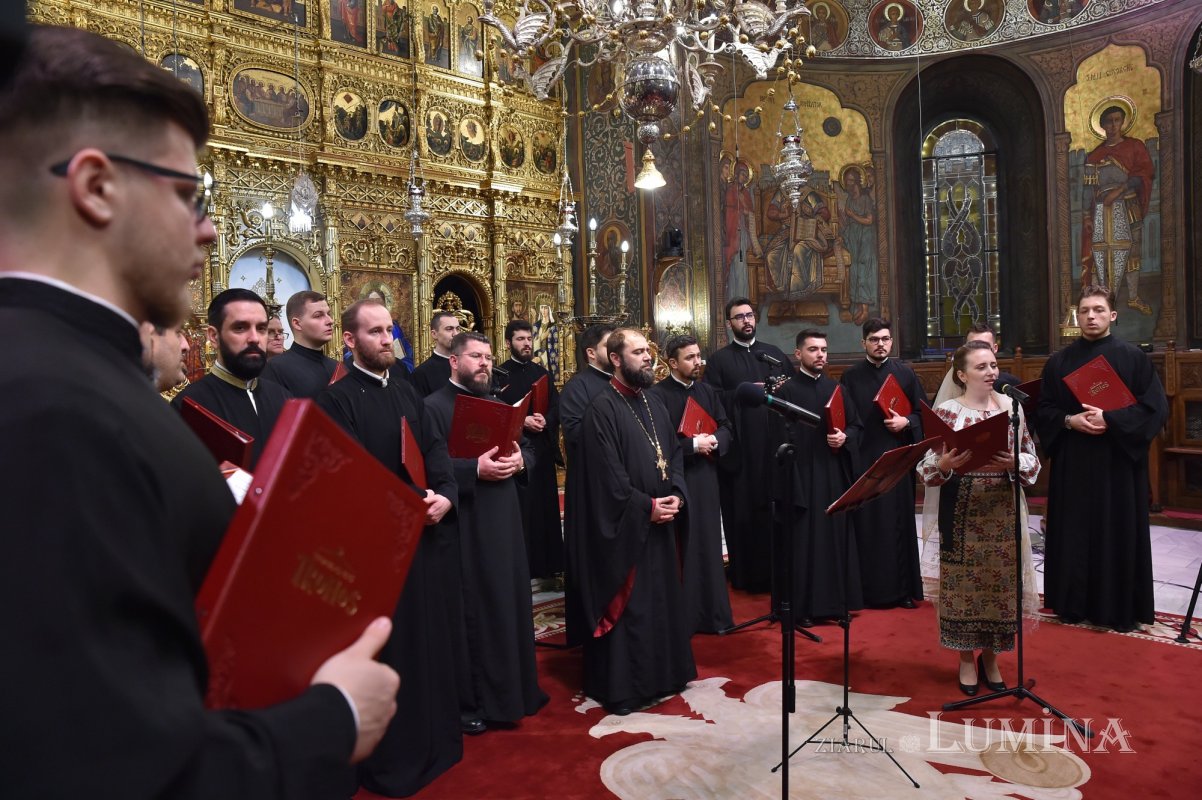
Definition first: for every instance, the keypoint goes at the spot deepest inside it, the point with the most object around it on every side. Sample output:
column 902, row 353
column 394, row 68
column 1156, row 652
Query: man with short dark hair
column 425, row 741
column 275, row 338
column 232, row 389
column 502, row 674
column 540, row 493
column 885, row 528
column 591, row 377
column 163, row 353
column 706, row 598
column 745, row 477
column 304, row 369
column 115, row 510
column 823, row 580
column 977, row 332
column 637, row 649
column 433, row 373
column 1098, row 559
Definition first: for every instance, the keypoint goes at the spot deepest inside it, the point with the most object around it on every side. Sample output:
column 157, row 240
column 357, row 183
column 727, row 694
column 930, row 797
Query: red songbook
column 223, row 440
column 983, row 438
column 696, row 421
column 883, row 475
column 1032, row 389
column 834, row 412
column 480, row 424
column 339, row 373
column 540, row 396
column 892, row 398
column 1098, row 385
column 411, row 456
column 292, row 582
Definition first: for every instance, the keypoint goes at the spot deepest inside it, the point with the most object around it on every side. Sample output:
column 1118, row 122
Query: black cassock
column 577, row 396
column 638, row 637
column 431, row 375
column 1098, row 557
column 232, row 404
column 885, row 527
column 424, row 739
column 820, row 570
column 540, row 493
column 706, row 598
column 301, row 370
column 113, row 512
column 746, row 474
column 496, row 584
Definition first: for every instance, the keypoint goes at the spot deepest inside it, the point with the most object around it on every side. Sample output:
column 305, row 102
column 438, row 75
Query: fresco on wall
column 348, row 22
column 467, row 40
column 1114, row 189
column 972, row 20
column 1052, row 12
column 393, row 29
column 828, row 24
column 895, row 24
column 816, row 264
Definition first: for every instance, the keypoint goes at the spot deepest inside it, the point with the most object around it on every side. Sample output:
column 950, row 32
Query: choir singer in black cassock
column 496, row 581
column 745, row 474
column 821, row 574
column 433, row 373
column 1098, row 560
column 706, row 598
column 540, row 493
column 578, row 393
column 637, row 648
column 232, row 390
column 303, row 368
column 885, row 528
column 425, row 739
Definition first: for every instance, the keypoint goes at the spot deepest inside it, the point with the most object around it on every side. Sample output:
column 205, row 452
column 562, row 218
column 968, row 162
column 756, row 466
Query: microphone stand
column 1021, row 689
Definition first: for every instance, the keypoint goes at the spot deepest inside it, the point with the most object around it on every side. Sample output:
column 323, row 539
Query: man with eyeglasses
column 501, row 677
column 304, row 370
column 275, row 338
column 746, row 472
column 886, row 531
column 113, row 508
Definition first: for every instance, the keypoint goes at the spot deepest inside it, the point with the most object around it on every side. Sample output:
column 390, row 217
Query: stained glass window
column 960, row 231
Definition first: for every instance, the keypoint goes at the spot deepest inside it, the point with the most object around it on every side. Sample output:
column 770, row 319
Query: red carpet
column 1141, row 693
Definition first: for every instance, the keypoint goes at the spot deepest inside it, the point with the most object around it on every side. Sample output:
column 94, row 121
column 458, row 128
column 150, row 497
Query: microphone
column 748, row 394
column 767, row 359
column 1015, row 392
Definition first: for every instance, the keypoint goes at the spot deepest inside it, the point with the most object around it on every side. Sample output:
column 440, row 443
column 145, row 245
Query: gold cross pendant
column 663, row 465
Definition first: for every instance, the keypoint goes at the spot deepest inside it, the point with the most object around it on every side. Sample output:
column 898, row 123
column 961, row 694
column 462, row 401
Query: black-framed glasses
column 879, row 339
column 748, row 316
column 204, row 183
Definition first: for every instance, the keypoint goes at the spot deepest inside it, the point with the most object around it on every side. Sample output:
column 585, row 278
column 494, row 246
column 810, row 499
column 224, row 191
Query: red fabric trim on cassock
column 617, row 604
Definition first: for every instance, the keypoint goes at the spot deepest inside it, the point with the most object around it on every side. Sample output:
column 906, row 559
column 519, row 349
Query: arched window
column 960, row 231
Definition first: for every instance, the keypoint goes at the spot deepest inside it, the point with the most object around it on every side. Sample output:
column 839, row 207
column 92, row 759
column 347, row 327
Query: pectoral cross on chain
column 661, row 463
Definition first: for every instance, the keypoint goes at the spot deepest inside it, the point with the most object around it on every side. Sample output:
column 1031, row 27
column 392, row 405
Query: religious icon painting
column 348, row 22
column 973, row 20
column 895, row 25
column 394, row 29
column 542, row 148
column 394, row 123
column 268, row 98
column 436, row 37
column 350, row 116
column 186, row 69
column 828, row 24
column 438, row 133
column 511, row 147
column 1054, row 12
column 472, row 140
column 467, row 41
column 609, row 247
column 293, row 12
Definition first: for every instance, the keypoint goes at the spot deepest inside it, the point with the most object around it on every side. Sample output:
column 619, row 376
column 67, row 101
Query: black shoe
column 982, row 675
column 473, row 727
column 907, row 603
column 622, row 708
column 1070, row 619
column 970, row 690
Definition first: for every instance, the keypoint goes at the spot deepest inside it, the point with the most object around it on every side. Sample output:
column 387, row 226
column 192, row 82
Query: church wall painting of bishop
column 814, row 265
column 1114, row 183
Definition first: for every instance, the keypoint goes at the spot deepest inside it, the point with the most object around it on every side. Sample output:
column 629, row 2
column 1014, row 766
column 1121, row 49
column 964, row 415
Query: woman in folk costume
column 971, row 517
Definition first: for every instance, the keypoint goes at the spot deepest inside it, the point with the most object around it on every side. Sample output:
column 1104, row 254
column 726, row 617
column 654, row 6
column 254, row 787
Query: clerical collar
column 745, row 346
column 882, row 363
column 688, row 385
column 623, row 389
column 440, row 355
column 608, row 375
column 307, row 352
column 807, row 373
column 380, row 379
column 219, row 371
column 460, row 386
column 66, row 287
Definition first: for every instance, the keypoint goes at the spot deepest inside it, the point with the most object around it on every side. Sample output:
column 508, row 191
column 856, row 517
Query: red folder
column 1098, row 385
column 411, row 456
column 696, row 421
column 293, row 582
column 480, row 424
column 540, row 396
column 983, row 438
column 1032, row 389
column 834, row 412
column 223, row 440
column 339, row 373
column 883, row 475
column 891, row 397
